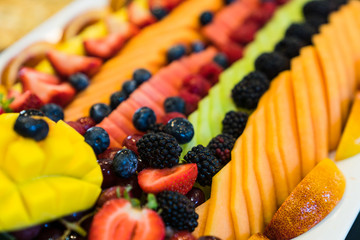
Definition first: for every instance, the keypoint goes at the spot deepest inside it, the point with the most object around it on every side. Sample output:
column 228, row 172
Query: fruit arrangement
column 265, row 136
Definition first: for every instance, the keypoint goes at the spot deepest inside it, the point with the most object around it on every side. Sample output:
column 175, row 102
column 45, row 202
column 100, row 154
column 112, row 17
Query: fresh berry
column 156, row 128
column 129, row 86
column 316, row 22
column 221, row 147
column 109, row 153
column 174, row 104
column 141, row 75
column 86, row 122
column 247, row 93
column 191, row 101
column 167, row 117
column 245, row 33
column 130, row 142
column 206, row 18
column 181, row 128
column 196, row 84
column 262, row 14
column 79, row 81
column 109, row 177
column 98, row 139
column 271, row 64
column 105, row 47
column 232, row 51
column 177, row 211
column 208, row 238
column 196, row 196
column 180, row 178
column 289, row 47
column 31, row 112
column 208, row 164
column 77, row 126
column 183, row 235
column 302, row 31
column 53, row 111
column 143, row 118
column 234, row 123
column 176, row 52
column 28, row 127
column 227, row 2
column 99, row 111
column 117, row 98
column 67, row 65
column 197, row 46
column 125, row 163
column 117, row 219
column 26, row 100
column 109, row 194
column 160, row 150
column 211, row 72
column 317, row 8
column 159, row 13
column 221, row 60
column 2, row 110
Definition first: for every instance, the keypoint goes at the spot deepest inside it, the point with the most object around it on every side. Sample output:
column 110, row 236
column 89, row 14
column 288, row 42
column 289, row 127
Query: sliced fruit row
column 219, row 102
column 284, row 138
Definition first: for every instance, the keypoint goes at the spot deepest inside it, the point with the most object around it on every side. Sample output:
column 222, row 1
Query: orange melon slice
column 310, row 202
column 202, row 211
column 258, row 236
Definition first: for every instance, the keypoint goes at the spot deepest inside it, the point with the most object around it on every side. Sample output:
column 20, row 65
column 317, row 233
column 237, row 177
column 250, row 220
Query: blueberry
column 98, row 139
column 53, row 111
column 159, row 13
column 206, row 18
column 221, row 60
column 197, row 46
column 125, row 163
column 181, row 129
column 141, row 75
column 143, row 118
column 174, row 104
column 79, row 81
column 129, row 86
column 31, row 112
column 117, row 98
column 99, row 111
column 28, row 127
column 227, row 2
column 176, row 52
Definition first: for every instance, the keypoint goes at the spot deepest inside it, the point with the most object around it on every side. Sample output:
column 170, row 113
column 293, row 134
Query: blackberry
column 177, row 211
column 221, row 146
column 156, row 128
column 271, row 64
column 289, row 47
column 302, row 31
column 318, row 8
column 234, row 123
column 316, row 22
column 161, row 150
column 247, row 93
column 208, row 165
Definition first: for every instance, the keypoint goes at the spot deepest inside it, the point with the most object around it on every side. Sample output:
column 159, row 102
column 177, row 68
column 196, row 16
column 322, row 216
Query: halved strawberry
column 117, row 219
column 47, row 87
column 66, row 64
column 139, row 15
column 104, row 47
column 180, row 179
column 26, row 100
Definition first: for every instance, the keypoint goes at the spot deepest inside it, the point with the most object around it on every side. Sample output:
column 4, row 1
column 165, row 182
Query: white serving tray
column 334, row 227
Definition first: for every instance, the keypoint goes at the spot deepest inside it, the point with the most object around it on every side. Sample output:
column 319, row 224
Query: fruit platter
column 183, row 119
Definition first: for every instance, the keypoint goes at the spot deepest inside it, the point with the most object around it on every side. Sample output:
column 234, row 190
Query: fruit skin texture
column 181, row 129
column 221, row 147
column 53, row 111
column 98, row 139
column 79, row 81
column 310, row 202
column 99, row 111
column 28, row 127
column 234, row 123
column 271, row 64
column 25, row 168
column 117, row 219
column 179, row 179
column 174, row 104
column 125, row 163
column 143, row 118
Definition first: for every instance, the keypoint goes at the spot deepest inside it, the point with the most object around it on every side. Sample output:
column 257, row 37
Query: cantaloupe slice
column 350, row 140
column 238, row 203
column 288, row 135
column 219, row 221
column 262, row 167
column 303, row 116
column 250, row 184
column 331, row 90
column 202, row 211
column 258, row 236
column 314, row 78
column 354, row 7
column 310, row 202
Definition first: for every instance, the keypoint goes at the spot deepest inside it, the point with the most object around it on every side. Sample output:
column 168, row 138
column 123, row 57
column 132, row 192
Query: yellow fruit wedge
column 45, row 180
column 202, row 211
column 310, row 202
column 258, row 236
column 350, row 140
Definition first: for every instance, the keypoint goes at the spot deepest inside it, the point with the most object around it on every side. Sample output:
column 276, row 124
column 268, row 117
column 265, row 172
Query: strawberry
column 109, row 194
column 117, row 219
column 245, row 33
column 139, row 15
column 26, row 100
column 191, row 101
column 67, row 65
column 232, row 51
column 48, row 88
column 104, row 47
column 167, row 117
column 211, row 72
column 196, row 84
column 180, row 178
column 2, row 110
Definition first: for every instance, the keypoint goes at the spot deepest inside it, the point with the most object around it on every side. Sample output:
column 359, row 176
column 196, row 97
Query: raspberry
column 191, row 101
column 196, row 84
column 245, row 33
column 232, row 51
column 211, row 72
